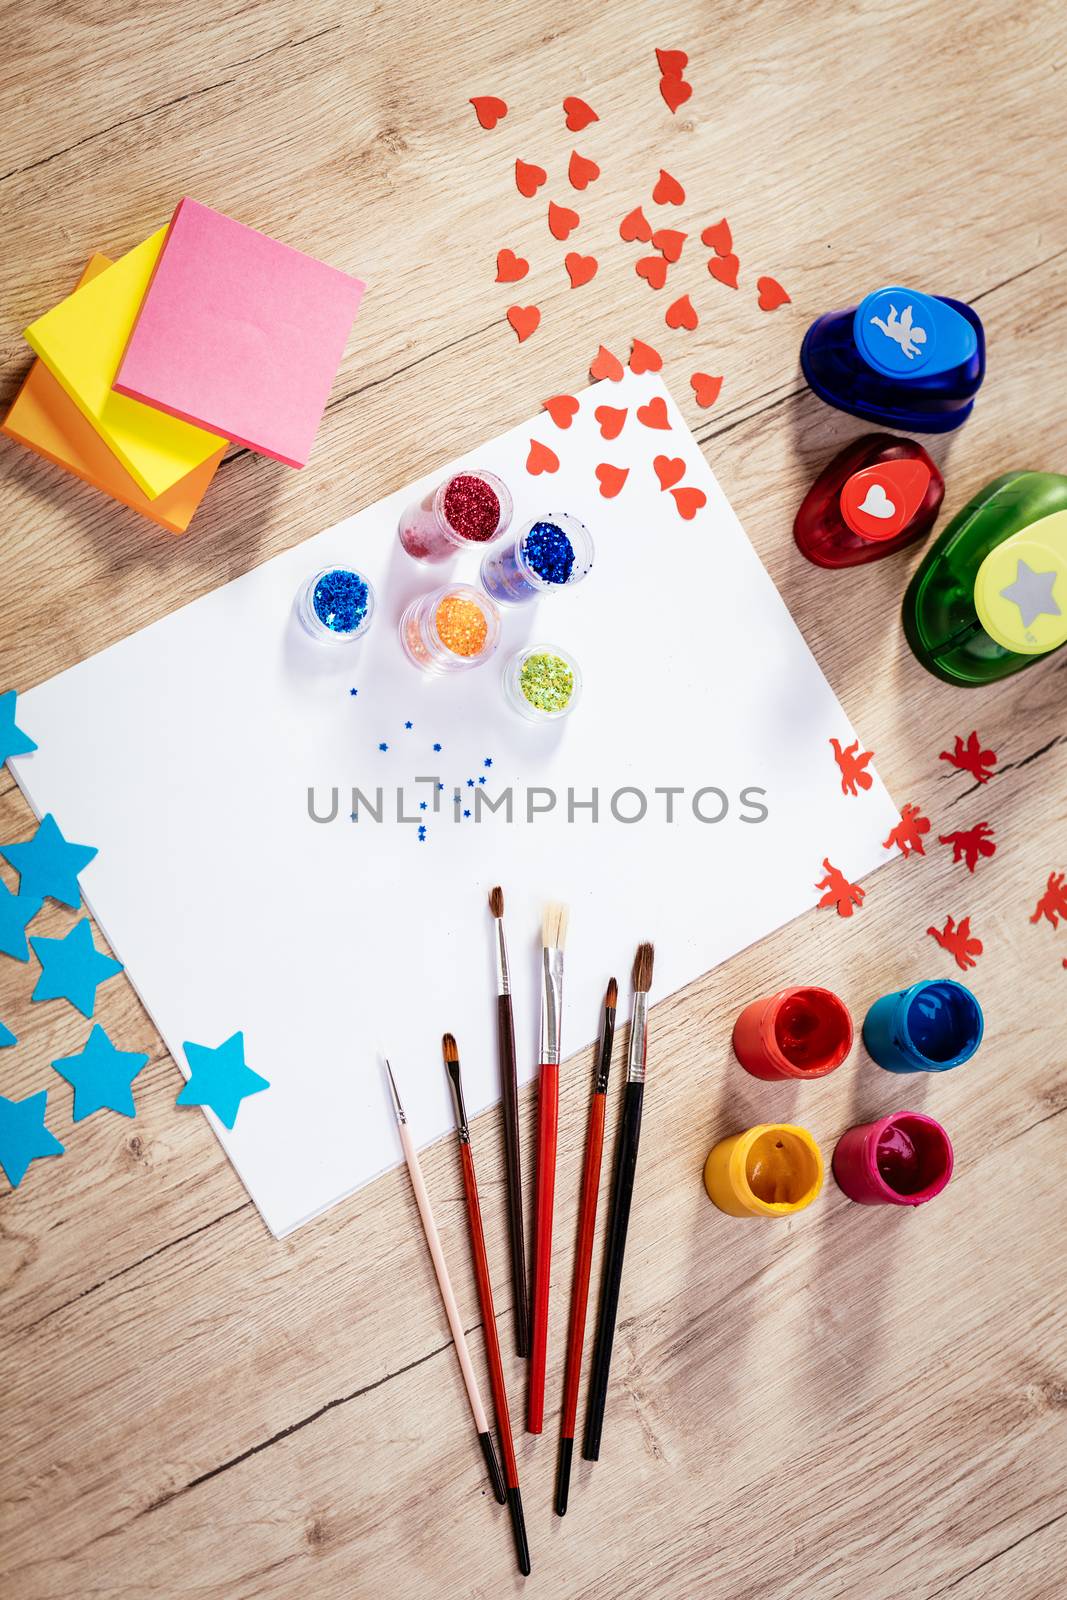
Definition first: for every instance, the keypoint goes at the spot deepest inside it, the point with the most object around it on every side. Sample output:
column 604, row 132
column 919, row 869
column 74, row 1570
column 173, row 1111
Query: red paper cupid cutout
column 970, row 844
column 854, row 775
column 839, row 892
column 970, row 757
column 958, row 942
column 908, row 833
column 1053, row 903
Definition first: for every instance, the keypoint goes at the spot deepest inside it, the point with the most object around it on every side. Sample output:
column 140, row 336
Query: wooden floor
column 859, row 1404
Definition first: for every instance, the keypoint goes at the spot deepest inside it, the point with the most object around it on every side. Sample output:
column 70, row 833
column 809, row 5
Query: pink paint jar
column 469, row 508
column 796, row 1033
column 901, row 1160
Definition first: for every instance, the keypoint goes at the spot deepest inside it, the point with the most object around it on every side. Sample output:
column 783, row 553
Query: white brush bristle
column 554, row 926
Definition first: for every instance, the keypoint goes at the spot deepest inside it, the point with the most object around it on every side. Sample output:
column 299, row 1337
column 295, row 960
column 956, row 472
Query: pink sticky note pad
column 239, row 334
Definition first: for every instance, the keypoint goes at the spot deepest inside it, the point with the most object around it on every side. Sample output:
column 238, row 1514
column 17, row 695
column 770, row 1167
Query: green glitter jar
column 542, row 683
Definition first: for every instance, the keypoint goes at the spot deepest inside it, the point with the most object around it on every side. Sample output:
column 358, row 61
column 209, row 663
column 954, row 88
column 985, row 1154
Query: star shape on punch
column 48, row 865
column 1032, row 593
column 101, row 1076
column 16, row 911
column 6, row 1037
column 13, row 742
column 220, row 1078
column 23, row 1135
column 72, row 968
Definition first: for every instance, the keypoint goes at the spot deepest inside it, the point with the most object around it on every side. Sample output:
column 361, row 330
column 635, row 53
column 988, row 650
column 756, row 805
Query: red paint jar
column 796, row 1033
column 901, row 1160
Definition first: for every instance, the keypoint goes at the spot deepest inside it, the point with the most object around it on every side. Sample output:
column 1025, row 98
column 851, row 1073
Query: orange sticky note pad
column 45, row 419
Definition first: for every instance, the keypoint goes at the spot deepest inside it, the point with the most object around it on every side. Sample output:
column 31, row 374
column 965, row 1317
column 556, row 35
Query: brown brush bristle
column 496, row 901
column 612, row 997
column 450, row 1047
column 643, row 961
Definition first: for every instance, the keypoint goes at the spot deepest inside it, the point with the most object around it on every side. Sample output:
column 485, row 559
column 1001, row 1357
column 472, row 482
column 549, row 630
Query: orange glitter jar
column 452, row 628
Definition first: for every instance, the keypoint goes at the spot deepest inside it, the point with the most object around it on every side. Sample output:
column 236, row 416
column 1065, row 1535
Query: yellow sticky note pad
column 81, row 341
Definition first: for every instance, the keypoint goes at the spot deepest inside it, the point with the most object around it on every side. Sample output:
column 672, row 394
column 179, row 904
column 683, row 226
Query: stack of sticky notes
column 206, row 333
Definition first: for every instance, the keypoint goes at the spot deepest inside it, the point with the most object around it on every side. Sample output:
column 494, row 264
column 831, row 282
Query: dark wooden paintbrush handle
column 513, row 1165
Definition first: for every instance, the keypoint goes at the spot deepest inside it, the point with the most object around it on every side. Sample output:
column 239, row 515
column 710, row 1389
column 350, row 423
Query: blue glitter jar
column 336, row 605
column 551, row 552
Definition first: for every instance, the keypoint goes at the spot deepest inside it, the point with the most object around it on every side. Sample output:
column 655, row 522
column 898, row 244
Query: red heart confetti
column 668, row 191
column 725, row 269
column 611, row 479
column 562, row 221
column 605, row 365
column 610, row 419
column 654, row 414
column 771, row 294
column 528, row 178
column 580, row 269
column 562, row 408
column 841, row 894
column 689, row 501
column 510, row 267
column 489, row 109
column 669, row 242
column 681, row 313
column 541, row 459
column 669, row 470
column 581, row 171
column 643, row 358
column 579, row 115
column 635, row 225
column 524, row 320
column 705, row 387
column 672, row 63
column 958, row 941
column 718, row 238
column 653, row 269
column 675, row 92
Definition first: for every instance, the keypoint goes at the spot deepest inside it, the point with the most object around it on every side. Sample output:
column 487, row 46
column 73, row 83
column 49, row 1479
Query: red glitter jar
column 469, row 508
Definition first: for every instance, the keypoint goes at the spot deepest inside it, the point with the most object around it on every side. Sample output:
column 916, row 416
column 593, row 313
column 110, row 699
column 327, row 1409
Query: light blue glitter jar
column 336, row 605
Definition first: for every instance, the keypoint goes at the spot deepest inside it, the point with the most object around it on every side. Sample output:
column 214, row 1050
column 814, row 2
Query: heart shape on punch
column 672, row 63
column 579, row 115
column 610, row 479
column 771, row 294
column 489, row 109
column 877, row 503
column 675, row 92
column 562, row 221
column 581, row 171
column 528, row 178
column 705, row 387
column 541, row 459
column 654, row 414
column 668, row 191
column 635, row 225
column 605, row 365
column 611, row 420
column 653, row 269
column 562, row 408
column 718, row 238
column 725, row 269
column 668, row 469
column 689, row 501
column 643, row 358
column 510, row 267
column 681, row 313
column 524, row 320
column 669, row 242
column 580, row 269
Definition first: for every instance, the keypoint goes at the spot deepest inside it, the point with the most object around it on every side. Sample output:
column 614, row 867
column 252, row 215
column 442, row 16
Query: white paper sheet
column 186, row 752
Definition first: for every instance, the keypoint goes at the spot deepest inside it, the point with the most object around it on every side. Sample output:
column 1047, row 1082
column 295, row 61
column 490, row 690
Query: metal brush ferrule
column 459, row 1109
column 503, row 970
column 635, row 1064
column 551, row 1005
column 397, row 1107
column 603, row 1064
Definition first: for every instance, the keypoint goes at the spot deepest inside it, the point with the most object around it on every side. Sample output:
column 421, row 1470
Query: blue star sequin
column 481, row 780
column 48, row 865
column 422, row 805
column 16, row 910
column 409, row 724
column 13, row 742
column 101, row 1076
column 466, row 813
column 72, row 967
column 23, row 1135
column 6, row 1037
column 440, row 787
column 352, row 815
column 470, row 783
column 383, row 746
column 220, row 1079
column 353, row 691
column 437, row 747
column 488, row 762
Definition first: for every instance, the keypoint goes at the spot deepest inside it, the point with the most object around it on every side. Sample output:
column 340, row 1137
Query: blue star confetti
column 101, row 1076
column 353, row 816
column 409, row 724
column 220, row 1079
column 422, row 805
column 353, row 691
column 72, row 967
column 383, row 746
column 470, row 783
column 488, row 762
column 16, row 911
column 440, row 788
column 13, row 742
column 23, row 1135
column 466, row 813
column 6, row 1037
column 437, row 747
column 481, row 780
column 48, row 865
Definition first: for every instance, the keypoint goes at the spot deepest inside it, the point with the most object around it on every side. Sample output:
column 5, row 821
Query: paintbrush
column 553, row 938
column 509, row 1083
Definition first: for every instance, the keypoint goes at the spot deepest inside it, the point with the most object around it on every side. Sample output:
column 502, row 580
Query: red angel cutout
column 854, row 774
column 958, row 942
column 908, row 833
column 1053, row 903
column 970, row 844
column 839, row 892
column 970, row 757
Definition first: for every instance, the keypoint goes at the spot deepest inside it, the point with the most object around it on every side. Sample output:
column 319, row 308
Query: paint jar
column 551, row 552
column 772, row 1170
column 931, row 1027
column 336, row 605
column 901, row 1160
column 542, row 683
column 452, row 628
column 469, row 508
column 796, row 1033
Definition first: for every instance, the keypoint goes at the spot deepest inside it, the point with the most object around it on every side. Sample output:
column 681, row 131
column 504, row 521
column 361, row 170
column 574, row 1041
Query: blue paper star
column 6, row 1037
column 72, row 967
column 437, row 747
column 16, row 910
column 219, row 1078
column 23, row 1135
column 13, row 742
column 409, row 724
column 101, row 1076
column 48, row 864
column 422, row 805
column 488, row 762
column 481, row 780
column 466, row 813
column 470, row 783
column 353, row 691
column 383, row 747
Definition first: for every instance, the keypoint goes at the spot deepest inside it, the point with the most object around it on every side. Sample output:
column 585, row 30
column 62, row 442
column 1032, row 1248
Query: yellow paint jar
column 771, row 1170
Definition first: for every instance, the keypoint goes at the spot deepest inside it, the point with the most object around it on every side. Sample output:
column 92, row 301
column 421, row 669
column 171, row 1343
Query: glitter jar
column 336, row 605
column 468, row 508
column 452, row 628
column 550, row 552
column 542, row 683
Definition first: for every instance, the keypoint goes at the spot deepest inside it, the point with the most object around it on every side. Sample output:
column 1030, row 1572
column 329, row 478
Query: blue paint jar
column 900, row 358
column 931, row 1027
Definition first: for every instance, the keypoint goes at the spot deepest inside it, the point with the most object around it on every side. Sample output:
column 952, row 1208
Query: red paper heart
column 580, row 269
column 689, row 501
column 668, row 191
column 669, row 242
column 771, row 294
column 643, row 358
column 682, row 314
column 668, row 469
column 581, row 171
column 635, row 225
column 653, row 269
column 510, row 267
column 675, row 92
column 725, row 269
column 579, row 115
column 524, row 320
column 528, row 178
column 611, row 420
column 672, row 63
column 605, row 365
column 562, row 408
column 562, row 221
column 706, row 388
column 541, row 459
column 489, row 109
column 610, row 479
column 654, row 414
column 718, row 238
